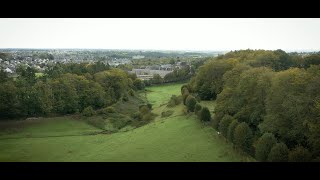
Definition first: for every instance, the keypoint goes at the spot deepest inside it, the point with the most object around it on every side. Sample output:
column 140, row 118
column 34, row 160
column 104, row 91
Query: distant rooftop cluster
column 40, row 59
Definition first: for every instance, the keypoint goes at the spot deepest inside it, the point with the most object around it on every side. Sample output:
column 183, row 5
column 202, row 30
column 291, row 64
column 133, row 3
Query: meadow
column 178, row 137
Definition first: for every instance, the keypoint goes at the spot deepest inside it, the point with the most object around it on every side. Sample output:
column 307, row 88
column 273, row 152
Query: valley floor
column 176, row 138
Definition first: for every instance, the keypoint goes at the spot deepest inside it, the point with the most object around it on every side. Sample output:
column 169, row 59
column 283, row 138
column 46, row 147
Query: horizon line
column 191, row 50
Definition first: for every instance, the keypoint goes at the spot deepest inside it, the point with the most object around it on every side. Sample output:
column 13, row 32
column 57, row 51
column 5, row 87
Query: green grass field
column 49, row 127
column 176, row 138
column 39, row 75
column 158, row 95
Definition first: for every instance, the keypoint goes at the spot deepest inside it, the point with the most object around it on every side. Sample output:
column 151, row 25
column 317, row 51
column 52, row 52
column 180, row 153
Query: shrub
column 279, row 153
column 243, row 137
column 144, row 109
column 185, row 111
column 138, row 84
column 215, row 123
column 190, row 103
column 197, row 109
column 184, row 96
column 88, row 111
column 147, row 82
column 136, row 115
column 197, row 97
column 216, row 120
column 174, row 100
column 171, row 103
column 149, row 106
column 224, row 124
column 125, row 98
column 167, row 113
column 119, row 121
column 144, row 114
column 231, row 129
column 299, row 154
column 185, row 88
column 178, row 100
column 264, row 145
column 110, row 109
column 106, row 110
column 131, row 93
column 205, row 114
column 97, row 122
column 148, row 117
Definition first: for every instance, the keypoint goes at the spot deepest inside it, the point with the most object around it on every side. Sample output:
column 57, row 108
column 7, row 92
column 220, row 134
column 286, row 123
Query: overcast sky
column 162, row 34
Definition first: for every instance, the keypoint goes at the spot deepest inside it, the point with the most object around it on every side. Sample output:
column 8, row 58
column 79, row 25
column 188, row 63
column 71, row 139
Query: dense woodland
column 64, row 89
column 268, row 102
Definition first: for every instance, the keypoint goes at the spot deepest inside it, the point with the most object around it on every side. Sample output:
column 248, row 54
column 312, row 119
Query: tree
column 279, row 153
column 65, row 94
column 244, row 94
column 45, row 98
column 224, row 124
column 243, row 137
column 277, row 60
column 55, row 71
column 185, row 95
column 28, row 98
column 4, row 56
column 92, row 94
column 88, row 111
column 313, row 59
column 177, row 75
column 172, row 61
column 264, row 145
column 250, row 95
column 138, row 84
column 27, row 73
column 228, row 101
column 190, row 103
column 208, row 82
column 205, row 114
column 313, row 122
column 231, row 130
column 9, row 102
column 157, row 79
column 115, row 83
column 185, row 88
column 3, row 76
column 299, row 154
column 284, row 61
column 288, row 106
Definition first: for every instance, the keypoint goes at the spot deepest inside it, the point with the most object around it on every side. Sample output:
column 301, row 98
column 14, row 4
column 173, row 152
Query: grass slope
column 175, row 138
column 49, row 127
column 158, row 95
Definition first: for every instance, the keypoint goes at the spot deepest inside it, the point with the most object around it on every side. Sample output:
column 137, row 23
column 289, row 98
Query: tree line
column 267, row 102
column 64, row 89
column 177, row 75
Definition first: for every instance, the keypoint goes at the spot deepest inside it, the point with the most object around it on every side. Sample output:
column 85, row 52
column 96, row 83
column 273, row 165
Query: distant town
column 142, row 63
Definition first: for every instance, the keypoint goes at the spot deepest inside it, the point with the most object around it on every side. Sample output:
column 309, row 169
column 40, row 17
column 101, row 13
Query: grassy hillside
column 175, row 138
column 158, row 95
column 46, row 127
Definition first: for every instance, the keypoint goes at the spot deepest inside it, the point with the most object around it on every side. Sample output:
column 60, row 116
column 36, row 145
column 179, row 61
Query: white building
column 137, row 57
column 8, row 70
